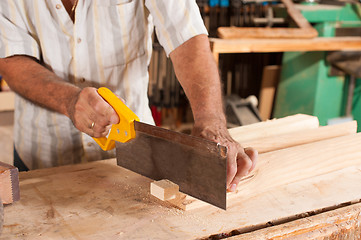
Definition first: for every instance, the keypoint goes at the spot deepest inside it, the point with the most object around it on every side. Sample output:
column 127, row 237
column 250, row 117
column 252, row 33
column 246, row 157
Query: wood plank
column 270, row 78
column 284, row 45
column 268, row 144
column 101, row 200
column 261, row 32
column 274, row 127
column 291, row 165
column 9, row 183
column 342, row 223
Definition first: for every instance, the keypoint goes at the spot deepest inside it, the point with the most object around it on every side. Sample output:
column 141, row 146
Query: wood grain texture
column 9, row 183
column 100, row 200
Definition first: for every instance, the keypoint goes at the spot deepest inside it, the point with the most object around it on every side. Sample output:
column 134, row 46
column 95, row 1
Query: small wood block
column 9, row 183
column 164, row 189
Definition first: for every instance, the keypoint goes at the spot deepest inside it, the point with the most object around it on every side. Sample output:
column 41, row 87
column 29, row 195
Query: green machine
column 307, row 84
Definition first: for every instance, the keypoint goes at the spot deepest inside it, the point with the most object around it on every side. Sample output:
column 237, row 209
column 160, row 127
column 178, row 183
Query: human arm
column 198, row 74
column 33, row 81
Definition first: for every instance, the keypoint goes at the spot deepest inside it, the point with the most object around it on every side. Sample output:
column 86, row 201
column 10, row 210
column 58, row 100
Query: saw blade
column 197, row 165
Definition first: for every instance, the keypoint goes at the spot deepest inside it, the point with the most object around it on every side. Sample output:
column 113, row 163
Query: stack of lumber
column 306, row 186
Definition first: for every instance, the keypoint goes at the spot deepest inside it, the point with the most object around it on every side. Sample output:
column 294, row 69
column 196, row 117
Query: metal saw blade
column 197, row 165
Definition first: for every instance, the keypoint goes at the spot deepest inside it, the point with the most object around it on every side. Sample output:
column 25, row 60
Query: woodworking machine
column 308, row 82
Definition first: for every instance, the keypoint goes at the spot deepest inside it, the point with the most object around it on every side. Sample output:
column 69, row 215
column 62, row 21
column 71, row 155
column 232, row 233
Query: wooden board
column 101, row 200
column 9, row 183
column 268, row 144
column 274, row 127
column 270, row 78
column 290, row 165
column 261, row 32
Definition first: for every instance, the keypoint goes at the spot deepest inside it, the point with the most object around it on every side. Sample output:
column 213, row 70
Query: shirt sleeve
column 15, row 38
column 175, row 21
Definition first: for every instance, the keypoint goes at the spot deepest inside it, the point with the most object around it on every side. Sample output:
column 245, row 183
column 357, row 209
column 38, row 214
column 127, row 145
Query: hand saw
column 197, row 165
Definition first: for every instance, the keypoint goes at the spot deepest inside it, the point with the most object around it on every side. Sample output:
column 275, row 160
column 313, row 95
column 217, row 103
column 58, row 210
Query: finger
column 244, row 164
column 231, row 164
column 106, row 112
column 253, row 155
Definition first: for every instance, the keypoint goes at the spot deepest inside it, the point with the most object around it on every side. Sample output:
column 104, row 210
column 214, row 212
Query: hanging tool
column 197, row 165
column 213, row 17
column 223, row 15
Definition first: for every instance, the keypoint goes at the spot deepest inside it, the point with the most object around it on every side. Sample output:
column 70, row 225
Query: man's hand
column 240, row 161
column 91, row 114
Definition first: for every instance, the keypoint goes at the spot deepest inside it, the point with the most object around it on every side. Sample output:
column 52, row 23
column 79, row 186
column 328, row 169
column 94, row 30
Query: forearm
column 34, row 82
column 198, row 74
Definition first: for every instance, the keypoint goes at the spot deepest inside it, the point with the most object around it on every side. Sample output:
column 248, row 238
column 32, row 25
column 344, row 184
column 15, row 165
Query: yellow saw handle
column 124, row 130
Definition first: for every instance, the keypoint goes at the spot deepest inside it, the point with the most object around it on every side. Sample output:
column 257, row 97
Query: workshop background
column 257, row 85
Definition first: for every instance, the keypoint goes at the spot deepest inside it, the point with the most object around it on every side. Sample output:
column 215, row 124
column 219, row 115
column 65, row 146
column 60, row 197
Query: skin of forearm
column 198, row 74
column 36, row 83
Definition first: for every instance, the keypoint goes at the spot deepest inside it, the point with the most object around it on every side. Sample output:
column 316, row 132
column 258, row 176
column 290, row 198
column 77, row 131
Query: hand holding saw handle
column 122, row 131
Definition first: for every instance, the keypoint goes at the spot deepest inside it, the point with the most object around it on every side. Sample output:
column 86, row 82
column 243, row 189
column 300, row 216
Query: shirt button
column 58, row 6
column 89, row 144
column 79, row 40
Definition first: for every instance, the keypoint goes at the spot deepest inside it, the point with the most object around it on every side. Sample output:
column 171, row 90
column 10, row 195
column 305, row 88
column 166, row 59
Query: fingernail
column 233, row 187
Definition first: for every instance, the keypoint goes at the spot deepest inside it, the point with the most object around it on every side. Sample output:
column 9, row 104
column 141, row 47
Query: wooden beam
column 9, row 183
column 268, row 144
column 285, row 45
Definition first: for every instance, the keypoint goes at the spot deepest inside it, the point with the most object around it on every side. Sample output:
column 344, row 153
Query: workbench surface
column 101, row 200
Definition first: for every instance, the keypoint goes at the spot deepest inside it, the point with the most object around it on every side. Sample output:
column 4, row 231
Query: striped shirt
column 109, row 44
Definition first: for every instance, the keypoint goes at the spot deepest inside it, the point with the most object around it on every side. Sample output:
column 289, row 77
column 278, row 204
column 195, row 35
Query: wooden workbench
column 101, row 200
